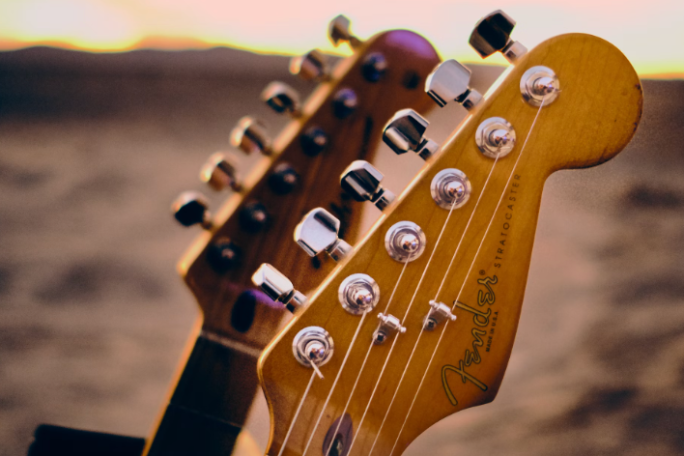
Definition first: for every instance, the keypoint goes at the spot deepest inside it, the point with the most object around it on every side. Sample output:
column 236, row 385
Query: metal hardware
column 223, row 254
column 339, row 32
column 282, row 98
column 450, row 188
column 313, row 347
column 311, row 66
column 278, row 287
column 495, row 137
column 539, row 83
column 492, row 33
column 374, row 66
column 449, row 81
column 437, row 314
column 345, row 103
column 405, row 241
column 192, row 208
column 362, row 181
column 220, row 171
column 405, row 131
column 317, row 232
column 314, row 141
column 358, row 294
column 387, row 327
column 253, row 216
column 283, row 179
column 250, row 136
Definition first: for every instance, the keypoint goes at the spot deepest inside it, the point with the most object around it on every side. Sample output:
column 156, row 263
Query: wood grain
column 594, row 117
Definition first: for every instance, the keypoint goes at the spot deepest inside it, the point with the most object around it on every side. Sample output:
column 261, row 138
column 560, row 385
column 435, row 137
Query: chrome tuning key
column 362, row 181
column 318, row 231
column 339, row 32
column 250, row 136
column 437, row 314
column 492, row 33
column 192, row 208
column 405, row 241
column 278, row 287
column 220, row 172
column 387, row 327
column 405, row 131
column 495, row 137
column 450, row 82
column 358, row 294
column 311, row 66
column 282, row 98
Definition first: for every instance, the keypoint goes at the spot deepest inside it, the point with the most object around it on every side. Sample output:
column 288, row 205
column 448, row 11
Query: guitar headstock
column 446, row 267
column 341, row 121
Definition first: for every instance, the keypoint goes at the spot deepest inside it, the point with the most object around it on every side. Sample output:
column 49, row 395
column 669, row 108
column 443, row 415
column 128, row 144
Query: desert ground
column 93, row 317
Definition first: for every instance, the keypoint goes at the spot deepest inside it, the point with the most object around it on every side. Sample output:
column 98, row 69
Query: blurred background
column 109, row 108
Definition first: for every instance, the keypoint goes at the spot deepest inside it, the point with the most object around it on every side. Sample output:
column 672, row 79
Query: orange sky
column 650, row 35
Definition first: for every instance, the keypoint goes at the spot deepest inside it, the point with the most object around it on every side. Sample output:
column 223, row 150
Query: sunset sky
column 649, row 33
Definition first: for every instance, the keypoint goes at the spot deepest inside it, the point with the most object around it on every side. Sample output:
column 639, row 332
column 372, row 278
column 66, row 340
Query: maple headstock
column 230, row 304
column 377, row 398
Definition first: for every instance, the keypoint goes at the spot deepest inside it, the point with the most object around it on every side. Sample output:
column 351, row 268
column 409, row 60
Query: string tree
column 318, row 231
column 339, row 31
column 492, row 33
column 249, row 135
column 450, row 81
column 438, row 313
column 220, row 172
column 388, row 325
column 192, row 208
column 362, row 181
column 406, row 131
column 278, row 287
column 282, row 99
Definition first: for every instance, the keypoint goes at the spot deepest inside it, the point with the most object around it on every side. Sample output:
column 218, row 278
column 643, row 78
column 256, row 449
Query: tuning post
column 492, row 33
column 278, row 287
column 362, row 181
column 339, row 32
column 192, row 208
column 311, row 66
column 282, row 98
column 450, row 188
column 405, row 131
column 358, row 294
column 374, row 66
column 318, row 232
column 313, row 347
column 250, row 136
column 437, row 314
column 283, row 179
column 388, row 325
column 314, row 141
column 220, row 171
column 345, row 103
column 449, row 81
column 405, row 241
column 495, row 137
column 538, row 84
column 253, row 216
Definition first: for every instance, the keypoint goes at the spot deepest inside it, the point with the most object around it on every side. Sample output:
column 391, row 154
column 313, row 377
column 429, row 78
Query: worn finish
column 590, row 122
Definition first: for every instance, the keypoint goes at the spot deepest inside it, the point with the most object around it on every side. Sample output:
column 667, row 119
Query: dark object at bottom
column 52, row 440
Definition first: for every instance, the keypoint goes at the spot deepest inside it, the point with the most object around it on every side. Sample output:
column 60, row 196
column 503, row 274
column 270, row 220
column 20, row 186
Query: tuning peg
column 191, row 208
column 311, row 66
column 318, row 231
column 449, row 81
column 345, row 103
column 314, row 141
column 282, row 98
column 362, row 181
column 220, row 172
column 492, row 33
column 405, row 131
column 250, row 136
column 339, row 32
column 253, row 217
column 278, row 287
column 283, row 179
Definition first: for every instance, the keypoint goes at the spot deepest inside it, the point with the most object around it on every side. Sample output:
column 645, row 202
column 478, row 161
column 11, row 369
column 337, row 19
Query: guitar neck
column 210, row 403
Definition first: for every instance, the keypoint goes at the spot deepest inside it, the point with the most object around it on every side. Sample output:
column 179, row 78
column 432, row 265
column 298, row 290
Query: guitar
column 340, row 122
column 419, row 321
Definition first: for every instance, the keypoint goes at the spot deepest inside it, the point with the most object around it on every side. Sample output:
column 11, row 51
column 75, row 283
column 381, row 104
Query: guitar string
column 299, row 409
column 415, row 345
column 365, row 359
column 503, row 193
column 396, row 338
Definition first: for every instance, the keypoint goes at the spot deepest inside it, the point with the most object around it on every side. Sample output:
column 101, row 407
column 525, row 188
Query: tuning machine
column 311, row 66
column 318, row 231
column 220, row 171
column 492, row 33
column 339, row 32
column 192, row 208
column 250, row 136
column 362, row 181
column 278, row 287
column 405, row 131
column 449, row 81
column 282, row 98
